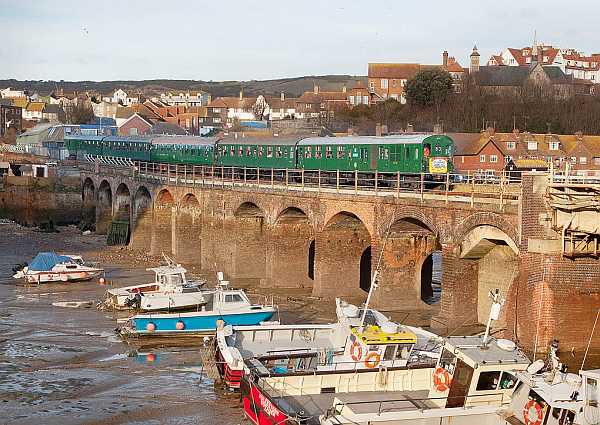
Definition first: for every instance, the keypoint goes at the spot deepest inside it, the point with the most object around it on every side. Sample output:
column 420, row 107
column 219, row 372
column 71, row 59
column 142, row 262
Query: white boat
column 341, row 346
column 170, row 291
column 51, row 267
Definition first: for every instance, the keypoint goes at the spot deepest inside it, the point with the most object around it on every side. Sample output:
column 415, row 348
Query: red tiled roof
column 518, row 55
column 400, row 71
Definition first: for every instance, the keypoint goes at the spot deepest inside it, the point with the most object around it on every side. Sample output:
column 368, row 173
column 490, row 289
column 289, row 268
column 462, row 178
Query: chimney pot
column 378, row 130
column 282, row 96
column 316, row 89
column 445, row 59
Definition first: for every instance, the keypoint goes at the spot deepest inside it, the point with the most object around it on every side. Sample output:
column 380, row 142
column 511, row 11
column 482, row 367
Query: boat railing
column 422, row 404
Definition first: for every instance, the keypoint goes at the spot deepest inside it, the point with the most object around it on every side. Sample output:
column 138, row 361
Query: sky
column 75, row 40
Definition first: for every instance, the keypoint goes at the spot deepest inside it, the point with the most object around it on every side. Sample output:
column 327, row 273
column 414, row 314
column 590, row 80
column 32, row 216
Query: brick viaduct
column 332, row 242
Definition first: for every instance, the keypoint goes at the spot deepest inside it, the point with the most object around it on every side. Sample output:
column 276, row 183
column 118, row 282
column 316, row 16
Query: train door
column 373, row 163
column 461, row 382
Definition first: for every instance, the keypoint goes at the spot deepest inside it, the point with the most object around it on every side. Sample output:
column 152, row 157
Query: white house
column 185, row 99
column 10, row 93
column 120, row 96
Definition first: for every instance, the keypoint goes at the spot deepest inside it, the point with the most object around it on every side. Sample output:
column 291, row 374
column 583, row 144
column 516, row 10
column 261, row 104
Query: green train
column 409, row 154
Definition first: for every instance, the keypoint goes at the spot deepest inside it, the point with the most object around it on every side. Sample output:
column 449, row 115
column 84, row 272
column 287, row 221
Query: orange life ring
column 356, row 357
column 532, row 413
column 372, row 360
column 441, row 379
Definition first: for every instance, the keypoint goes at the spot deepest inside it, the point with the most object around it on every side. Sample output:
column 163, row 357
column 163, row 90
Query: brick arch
column 407, row 213
column 189, row 200
column 331, row 214
column 248, row 202
column 485, row 219
column 164, row 198
column 293, row 205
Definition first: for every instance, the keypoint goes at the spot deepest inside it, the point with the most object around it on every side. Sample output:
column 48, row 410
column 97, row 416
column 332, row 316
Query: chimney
column 241, row 94
column 282, row 96
column 350, row 131
column 438, row 128
column 410, row 128
column 474, row 60
column 344, row 88
column 445, row 59
column 316, row 89
column 378, row 130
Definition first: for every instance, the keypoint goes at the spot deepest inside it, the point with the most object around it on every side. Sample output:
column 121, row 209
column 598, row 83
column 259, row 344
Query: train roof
column 184, row 140
column 260, row 141
column 137, row 139
column 368, row 140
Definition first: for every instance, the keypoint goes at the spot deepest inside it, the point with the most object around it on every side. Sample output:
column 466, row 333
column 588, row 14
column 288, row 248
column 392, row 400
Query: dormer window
column 532, row 145
column 511, row 145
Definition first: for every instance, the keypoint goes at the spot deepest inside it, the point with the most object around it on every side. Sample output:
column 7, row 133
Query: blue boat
column 232, row 306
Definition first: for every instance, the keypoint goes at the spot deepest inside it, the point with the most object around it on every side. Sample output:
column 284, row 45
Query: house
column 223, row 111
column 105, row 109
column 120, row 96
column 584, row 153
column 281, row 108
column 9, row 93
column 34, row 111
column 456, row 71
column 478, row 153
column 10, row 117
column 53, row 113
column 358, row 95
column 321, row 104
column 135, row 125
column 124, row 113
column 387, row 80
column 167, row 128
column 570, row 61
column 186, row 99
column 20, row 102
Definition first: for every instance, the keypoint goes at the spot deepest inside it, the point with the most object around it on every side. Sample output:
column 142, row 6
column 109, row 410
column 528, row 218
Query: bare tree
column 80, row 113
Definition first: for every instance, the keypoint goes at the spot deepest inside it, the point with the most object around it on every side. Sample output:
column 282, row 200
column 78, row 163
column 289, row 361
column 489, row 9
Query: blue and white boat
column 232, row 306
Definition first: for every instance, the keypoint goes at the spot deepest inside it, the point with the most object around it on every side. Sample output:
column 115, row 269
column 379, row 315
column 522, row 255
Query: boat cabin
column 470, row 373
column 169, row 275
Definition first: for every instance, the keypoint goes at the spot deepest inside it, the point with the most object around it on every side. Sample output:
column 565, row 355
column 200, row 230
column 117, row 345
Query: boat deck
column 313, row 405
column 281, row 347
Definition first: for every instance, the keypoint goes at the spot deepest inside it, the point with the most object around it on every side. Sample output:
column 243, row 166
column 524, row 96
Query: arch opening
column 122, row 202
column 292, row 215
column 249, row 210
column 431, row 278
column 88, row 214
column 141, row 228
column 190, row 201
column 104, row 207
column 342, row 249
column 311, row 260
column 165, row 199
column 408, row 225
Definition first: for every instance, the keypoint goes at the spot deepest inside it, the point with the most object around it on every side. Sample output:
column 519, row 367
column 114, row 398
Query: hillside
column 290, row 86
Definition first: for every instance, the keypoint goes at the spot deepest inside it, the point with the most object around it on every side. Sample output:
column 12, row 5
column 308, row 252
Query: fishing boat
column 222, row 303
column 171, row 290
column 472, row 378
column 51, row 267
column 343, row 345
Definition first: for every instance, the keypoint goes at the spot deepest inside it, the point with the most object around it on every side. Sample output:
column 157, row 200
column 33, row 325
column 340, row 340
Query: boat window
column 448, row 361
column 233, row 298
column 176, row 279
column 389, row 352
column 591, row 391
column 507, row 381
column 71, row 266
column 488, row 381
column 403, row 351
column 162, row 279
column 556, row 412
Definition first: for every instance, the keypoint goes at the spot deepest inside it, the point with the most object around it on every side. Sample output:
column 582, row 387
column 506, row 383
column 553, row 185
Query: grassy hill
column 290, row 86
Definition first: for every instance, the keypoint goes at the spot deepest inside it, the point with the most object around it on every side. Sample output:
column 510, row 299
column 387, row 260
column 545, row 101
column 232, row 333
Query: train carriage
column 183, row 150
column 258, row 152
column 126, row 148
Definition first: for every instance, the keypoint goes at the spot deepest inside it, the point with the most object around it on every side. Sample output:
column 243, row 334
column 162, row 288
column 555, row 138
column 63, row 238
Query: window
column 133, row 131
column 511, row 145
column 240, row 151
column 217, row 119
column 278, row 152
column 217, row 110
column 596, row 160
column 318, row 152
column 554, row 146
column 481, row 158
column 583, row 160
column 384, row 83
column 351, row 100
column 366, row 100
column 340, row 152
column 328, row 152
column 248, row 150
column 488, row 381
column 269, row 151
column 493, row 158
column 508, row 381
column 308, row 152
column 233, row 298
column 574, row 159
column 372, row 86
column 384, row 153
column 532, row 145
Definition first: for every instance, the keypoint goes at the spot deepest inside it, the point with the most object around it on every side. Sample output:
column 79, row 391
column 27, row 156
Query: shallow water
column 66, row 365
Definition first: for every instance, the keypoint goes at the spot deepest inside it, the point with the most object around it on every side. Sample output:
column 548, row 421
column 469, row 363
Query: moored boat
column 51, row 267
column 171, row 290
column 231, row 306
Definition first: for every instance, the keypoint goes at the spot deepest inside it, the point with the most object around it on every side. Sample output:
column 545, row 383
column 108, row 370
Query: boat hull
column 74, row 276
column 203, row 322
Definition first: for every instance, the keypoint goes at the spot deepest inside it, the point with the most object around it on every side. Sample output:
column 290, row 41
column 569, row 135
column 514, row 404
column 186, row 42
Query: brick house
column 478, row 152
column 359, row 95
column 10, row 117
column 34, row 111
column 583, row 152
column 135, row 125
column 387, row 80
column 321, row 104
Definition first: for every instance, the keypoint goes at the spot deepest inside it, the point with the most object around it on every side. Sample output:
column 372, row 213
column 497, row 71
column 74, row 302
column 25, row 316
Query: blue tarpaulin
column 44, row 261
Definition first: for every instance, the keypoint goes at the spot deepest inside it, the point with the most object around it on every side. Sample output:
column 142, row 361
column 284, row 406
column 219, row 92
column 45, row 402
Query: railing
column 492, row 188
column 570, row 176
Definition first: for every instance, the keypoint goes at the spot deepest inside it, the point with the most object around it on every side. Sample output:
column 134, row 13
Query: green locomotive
column 407, row 154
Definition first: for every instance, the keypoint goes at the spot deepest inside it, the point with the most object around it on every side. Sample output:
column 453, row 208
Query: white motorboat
column 170, row 291
column 51, row 267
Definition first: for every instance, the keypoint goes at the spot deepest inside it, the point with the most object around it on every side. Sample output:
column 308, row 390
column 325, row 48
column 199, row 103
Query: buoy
column 102, row 281
column 150, row 358
column 180, row 326
column 150, row 327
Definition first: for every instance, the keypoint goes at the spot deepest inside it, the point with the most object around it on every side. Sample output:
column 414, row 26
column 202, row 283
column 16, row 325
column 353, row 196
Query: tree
column 429, row 87
column 81, row 113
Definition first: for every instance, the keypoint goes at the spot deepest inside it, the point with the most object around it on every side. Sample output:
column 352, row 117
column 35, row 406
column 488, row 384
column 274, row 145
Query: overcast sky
column 243, row 40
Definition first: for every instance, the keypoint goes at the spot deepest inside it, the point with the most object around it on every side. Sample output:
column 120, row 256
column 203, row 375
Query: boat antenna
column 494, row 314
column 589, row 341
column 374, row 280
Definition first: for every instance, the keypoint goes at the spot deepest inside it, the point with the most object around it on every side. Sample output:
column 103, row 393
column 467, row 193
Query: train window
column 240, row 151
column 416, row 153
column 340, row 152
column 384, row 153
column 328, row 152
column 278, row 152
column 318, row 152
column 364, row 154
column 438, row 149
column 232, row 151
column 269, row 151
column 260, row 152
column 248, row 151
column 308, row 152
column 406, row 153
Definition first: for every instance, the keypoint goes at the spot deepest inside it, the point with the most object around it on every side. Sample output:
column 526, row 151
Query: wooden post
column 473, row 190
column 397, row 184
column 193, row 175
column 356, row 182
column 272, row 179
column 302, row 178
column 258, row 176
column 447, row 184
column 337, row 181
column 232, row 176
column 245, row 181
column 222, row 176
column 213, row 175
column 376, row 181
column 422, row 186
column 502, row 191
column 319, row 181
column 286, row 177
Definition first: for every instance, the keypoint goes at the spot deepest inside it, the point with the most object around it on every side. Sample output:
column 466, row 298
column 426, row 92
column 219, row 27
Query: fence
column 500, row 188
